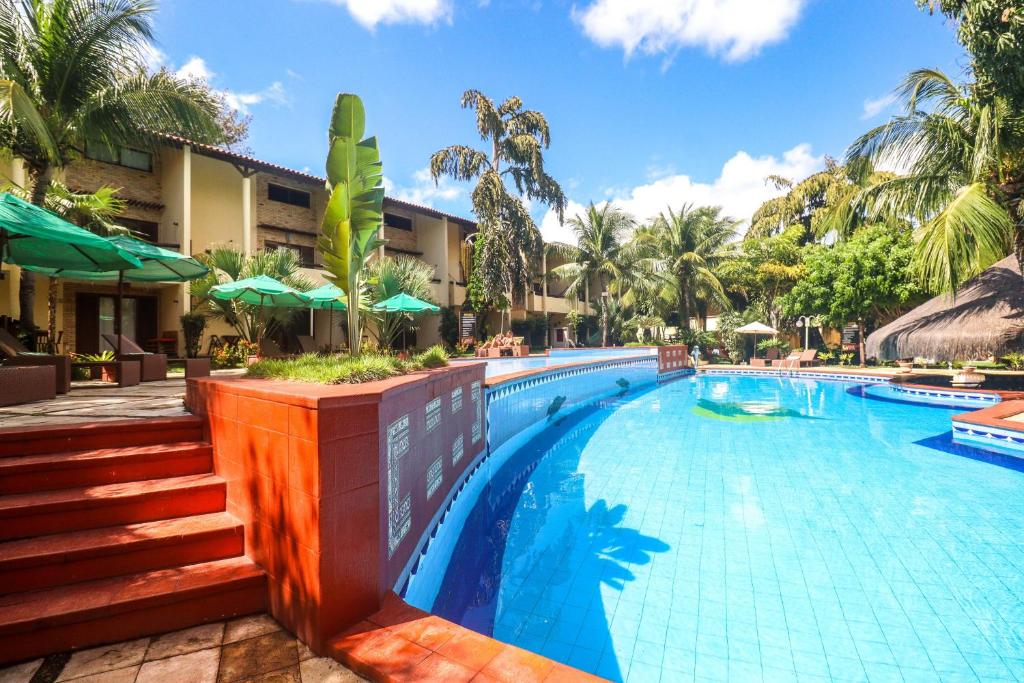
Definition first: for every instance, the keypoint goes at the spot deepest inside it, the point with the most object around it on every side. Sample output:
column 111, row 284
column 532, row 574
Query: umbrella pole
column 118, row 317
column 330, row 329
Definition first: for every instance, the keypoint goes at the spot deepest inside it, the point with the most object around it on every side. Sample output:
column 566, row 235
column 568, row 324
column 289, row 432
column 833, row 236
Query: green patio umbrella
column 404, row 303
column 157, row 265
column 261, row 291
column 32, row 236
column 328, row 297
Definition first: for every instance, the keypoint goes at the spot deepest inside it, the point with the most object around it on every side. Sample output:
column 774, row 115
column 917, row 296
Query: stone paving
column 92, row 401
column 252, row 649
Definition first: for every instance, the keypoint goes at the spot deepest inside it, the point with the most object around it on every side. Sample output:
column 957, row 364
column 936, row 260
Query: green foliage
column 818, row 204
column 865, row 279
column 228, row 264
column 846, row 358
column 509, row 242
column 774, row 343
column 1015, row 360
column 193, row 324
column 350, row 228
column 534, row 329
column 993, row 32
column 681, row 251
column 958, row 147
column 389, row 276
column 337, row 369
column 728, row 321
column 763, row 269
column 449, row 327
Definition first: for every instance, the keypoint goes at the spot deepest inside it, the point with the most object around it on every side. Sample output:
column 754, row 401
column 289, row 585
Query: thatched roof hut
column 986, row 317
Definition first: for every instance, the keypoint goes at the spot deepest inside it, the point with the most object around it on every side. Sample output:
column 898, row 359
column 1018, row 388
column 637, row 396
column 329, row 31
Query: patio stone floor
column 253, row 649
column 92, row 401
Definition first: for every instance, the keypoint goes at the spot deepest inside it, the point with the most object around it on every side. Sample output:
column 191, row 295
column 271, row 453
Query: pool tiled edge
column 989, row 429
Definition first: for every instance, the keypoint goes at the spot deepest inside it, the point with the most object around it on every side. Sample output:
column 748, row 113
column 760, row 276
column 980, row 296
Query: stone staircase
column 111, row 531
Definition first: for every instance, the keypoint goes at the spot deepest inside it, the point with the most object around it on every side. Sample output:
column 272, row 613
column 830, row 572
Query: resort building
column 188, row 197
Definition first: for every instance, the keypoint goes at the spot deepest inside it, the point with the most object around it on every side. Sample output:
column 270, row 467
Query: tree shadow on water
column 535, row 563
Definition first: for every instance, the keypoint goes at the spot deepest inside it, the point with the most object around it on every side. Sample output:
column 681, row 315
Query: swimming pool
column 557, row 357
column 746, row 528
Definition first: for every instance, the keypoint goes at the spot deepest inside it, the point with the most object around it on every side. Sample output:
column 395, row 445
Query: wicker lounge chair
column 24, row 384
column 153, row 365
column 19, row 356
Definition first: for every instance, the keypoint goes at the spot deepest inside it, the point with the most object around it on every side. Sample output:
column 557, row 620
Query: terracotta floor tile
column 438, row 669
column 566, row 674
column 252, row 657
column 250, row 627
column 513, row 665
column 106, row 658
column 20, row 673
column 471, row 649
column 431, row 632
column 185, row 641
column 304, row 651
column 194, row 667
column 287, row 675
column 326, row 670
column 126, row 675
column 391, row 655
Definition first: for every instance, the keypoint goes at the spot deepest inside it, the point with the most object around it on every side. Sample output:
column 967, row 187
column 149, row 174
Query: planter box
column 337, row 485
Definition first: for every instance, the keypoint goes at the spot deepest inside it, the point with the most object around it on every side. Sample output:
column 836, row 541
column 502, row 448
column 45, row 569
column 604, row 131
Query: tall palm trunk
column 27, row 283
column 684, row 306
column 604, row 311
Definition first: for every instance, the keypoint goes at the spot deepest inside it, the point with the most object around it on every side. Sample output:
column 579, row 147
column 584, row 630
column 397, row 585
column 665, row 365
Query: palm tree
column 685, row 248
column 227, row 264
column 599, row 238
column 820, row 203
column 73, row 72
column 961, row 151
column 386, row 277
column 509, row 242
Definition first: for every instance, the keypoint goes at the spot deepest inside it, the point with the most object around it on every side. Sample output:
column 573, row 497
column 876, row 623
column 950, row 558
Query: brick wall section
column 89, row 175
column 287, row 215
column 266, row 233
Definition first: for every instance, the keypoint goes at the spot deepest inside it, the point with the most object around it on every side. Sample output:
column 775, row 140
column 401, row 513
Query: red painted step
column 59, row 559
column 25, row 515
column 21, row 441
column 115, row 609
column 51, row 471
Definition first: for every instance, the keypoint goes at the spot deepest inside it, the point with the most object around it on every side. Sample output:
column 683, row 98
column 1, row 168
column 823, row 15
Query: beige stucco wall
column 216, row 204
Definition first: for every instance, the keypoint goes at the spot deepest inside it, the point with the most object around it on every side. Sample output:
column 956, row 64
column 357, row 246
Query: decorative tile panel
column 399, row 506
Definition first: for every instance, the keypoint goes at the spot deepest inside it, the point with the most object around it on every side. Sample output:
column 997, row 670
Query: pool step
column 25, row 515
column 21, row 441
column 124, row 607
column 62, row 559
column 112, row 531
column 50, row 471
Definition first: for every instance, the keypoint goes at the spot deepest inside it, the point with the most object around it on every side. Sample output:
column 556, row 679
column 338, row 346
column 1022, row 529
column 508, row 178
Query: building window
column 122, row 156
column 398, row 222
column 147, row 230
column 302, row 253
column 286, row 195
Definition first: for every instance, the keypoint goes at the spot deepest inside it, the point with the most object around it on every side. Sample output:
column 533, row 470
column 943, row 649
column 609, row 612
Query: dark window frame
column 403, row 223
column 117, row 151
column 289, row 195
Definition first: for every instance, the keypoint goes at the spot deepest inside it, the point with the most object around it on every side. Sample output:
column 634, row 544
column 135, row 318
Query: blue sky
column 650, row 102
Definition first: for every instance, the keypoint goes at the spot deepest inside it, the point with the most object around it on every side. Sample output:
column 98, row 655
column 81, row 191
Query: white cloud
column 370, row 13
column 876, row 106
column 735, row 29
column 739, row 189
column 424, row 191
column 196, row 69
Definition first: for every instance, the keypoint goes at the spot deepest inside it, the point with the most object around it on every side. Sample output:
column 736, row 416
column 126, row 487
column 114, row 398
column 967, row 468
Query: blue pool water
column 504, row 366
column 746, row 529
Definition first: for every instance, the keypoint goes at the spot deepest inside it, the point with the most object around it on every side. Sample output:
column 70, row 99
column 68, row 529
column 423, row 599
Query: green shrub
column 192, row 326
column 233, row 356
column 434, row 357
column 1014, row 360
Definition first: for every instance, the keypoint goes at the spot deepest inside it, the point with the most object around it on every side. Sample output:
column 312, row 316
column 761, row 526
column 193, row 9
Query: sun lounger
column 790, row 361
column 19, row 356
column 24, row 384
column 306, row 343
column 770, row 356
column 153, row 365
